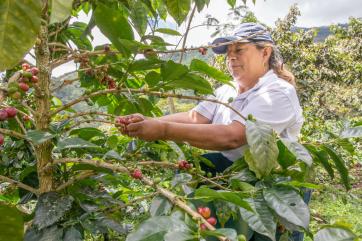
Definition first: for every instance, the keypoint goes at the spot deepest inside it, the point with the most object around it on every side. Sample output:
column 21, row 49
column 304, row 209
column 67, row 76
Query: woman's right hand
column 123, row 121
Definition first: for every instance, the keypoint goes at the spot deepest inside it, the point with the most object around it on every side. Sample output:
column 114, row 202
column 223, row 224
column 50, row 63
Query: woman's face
column 247, row 63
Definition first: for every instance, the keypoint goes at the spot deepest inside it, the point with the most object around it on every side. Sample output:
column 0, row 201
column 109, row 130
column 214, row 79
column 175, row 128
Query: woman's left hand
column 148, row 129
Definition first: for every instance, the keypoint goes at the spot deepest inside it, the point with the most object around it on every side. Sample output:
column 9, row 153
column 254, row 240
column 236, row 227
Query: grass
column 335, row 204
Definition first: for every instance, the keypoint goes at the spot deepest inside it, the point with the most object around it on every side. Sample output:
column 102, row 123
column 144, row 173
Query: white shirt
column 272, row 101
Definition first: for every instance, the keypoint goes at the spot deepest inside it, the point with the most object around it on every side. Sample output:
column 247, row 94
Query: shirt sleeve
column 274, row 108
column 206, row 108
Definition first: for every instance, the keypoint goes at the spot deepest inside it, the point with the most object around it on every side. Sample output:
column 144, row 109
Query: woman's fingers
column 135, row 118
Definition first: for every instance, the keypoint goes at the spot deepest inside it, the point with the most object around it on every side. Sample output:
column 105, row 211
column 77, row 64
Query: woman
column 262, row 88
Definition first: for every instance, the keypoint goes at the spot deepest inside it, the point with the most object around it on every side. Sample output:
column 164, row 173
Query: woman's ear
column 267, row 52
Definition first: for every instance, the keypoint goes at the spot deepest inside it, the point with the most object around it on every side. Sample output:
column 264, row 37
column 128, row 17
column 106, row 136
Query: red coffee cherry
column 11, row 111
column 1, row 140
column 25, row 66
column 204, row 211
column 3, row 115
column 212, row 221
column 137, row 174
column 24, row 87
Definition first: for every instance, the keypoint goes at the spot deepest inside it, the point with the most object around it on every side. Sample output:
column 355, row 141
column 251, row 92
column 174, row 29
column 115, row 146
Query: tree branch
column 97, row 163
column 142, row 91
column 80, row 114
column 73, row 56
column 173, row 198
column 79, row 177
column 12, row 133
column 19, row 184
column 187, row 32
column 88, row 121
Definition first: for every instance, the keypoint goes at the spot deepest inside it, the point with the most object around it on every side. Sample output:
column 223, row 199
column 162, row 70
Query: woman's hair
column 276, row 62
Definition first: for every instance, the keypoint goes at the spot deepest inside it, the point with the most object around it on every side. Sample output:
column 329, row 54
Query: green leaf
column 75, row 142
column 11, row 223
column 241, row 186
column 335, row 234
column 51, row 207
column 202, row 67
column 107, row 223
column 17, row 18
column 87, row 133
column 181, row 178
column 200, row 4
column 233, row 197
column 322, row 157
column 285, row 157
column 72, row 234
column 160, row 7
column 185, row 235
column 155, row 228
column 300, row 152
column 352, row 132
column 178, row 9
column 75, row 33
column 339, row 163
column 226, row 232
column 263, row 148
column 113, row 155
column 61, row 10
column 168, row 31
column 172, row 71
column 262, row 219
column 160, row 206
column 152, row 78
column 232, row 2
column 138, row 14
column 38, row 137
column 244, row 176
column 53, row 233
column 288, row 204
column 193, row 82
column 113, row 25
column 346, row 145
column 145, row 64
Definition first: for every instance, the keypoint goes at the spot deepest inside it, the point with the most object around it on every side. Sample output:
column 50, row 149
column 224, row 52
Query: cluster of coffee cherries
column 27, row 79
column 98, row 73
column 205, row 212
column 6, row 113
column 184, row 165
column 109, row 81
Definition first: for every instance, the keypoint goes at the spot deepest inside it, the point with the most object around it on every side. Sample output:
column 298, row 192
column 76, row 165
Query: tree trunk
column 42, row 103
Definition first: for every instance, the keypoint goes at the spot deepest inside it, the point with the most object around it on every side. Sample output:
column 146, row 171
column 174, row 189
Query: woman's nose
column 231, row 56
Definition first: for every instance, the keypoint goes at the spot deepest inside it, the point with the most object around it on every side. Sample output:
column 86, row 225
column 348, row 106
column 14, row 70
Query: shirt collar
column 262, row 81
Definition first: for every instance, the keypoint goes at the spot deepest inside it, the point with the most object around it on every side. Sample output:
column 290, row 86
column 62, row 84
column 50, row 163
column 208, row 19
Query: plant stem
column 42, row 103
column 142, row 91
column 19, row 184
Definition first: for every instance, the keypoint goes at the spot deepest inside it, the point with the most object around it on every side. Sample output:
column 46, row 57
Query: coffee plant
column 65, row 179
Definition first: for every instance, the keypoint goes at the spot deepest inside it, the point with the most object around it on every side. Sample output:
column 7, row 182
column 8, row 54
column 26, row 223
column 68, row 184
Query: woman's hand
column 137, row 125
column 148, row 129
column 123, row 121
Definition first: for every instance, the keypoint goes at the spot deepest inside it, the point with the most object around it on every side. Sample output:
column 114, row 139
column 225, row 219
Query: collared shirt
column 271, row 100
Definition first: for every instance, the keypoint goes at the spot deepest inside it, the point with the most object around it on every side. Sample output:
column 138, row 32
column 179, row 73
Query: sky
column 314, row 13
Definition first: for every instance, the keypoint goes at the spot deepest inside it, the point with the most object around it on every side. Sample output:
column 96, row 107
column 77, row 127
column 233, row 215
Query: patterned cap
column 243, row 31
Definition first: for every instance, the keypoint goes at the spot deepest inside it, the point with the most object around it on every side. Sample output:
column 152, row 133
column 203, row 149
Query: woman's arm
column 206, row 136
column 190, row 117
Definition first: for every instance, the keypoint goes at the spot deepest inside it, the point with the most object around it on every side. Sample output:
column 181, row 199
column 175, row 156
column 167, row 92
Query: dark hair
column 276, row 62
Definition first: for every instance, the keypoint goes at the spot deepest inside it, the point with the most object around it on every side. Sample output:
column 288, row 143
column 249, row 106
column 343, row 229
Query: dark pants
column 221, row 163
